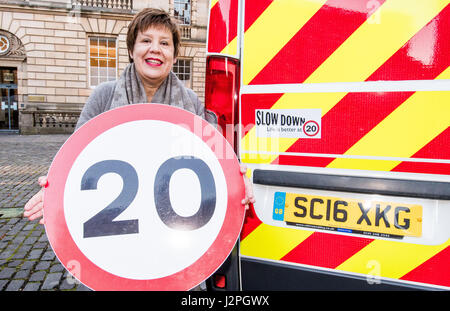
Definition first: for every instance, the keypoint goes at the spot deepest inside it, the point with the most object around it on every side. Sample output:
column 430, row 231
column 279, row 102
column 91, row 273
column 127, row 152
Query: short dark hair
column 152, row 17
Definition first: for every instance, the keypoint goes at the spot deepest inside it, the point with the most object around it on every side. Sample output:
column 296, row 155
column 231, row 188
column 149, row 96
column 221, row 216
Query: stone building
column 54, row 52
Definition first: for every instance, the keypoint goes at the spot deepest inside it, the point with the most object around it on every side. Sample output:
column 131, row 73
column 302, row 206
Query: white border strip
column 367, row 277
column 367, row 86
column 326, row 155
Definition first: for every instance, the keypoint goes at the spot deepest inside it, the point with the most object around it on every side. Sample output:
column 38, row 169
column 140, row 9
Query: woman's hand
column 34, row 208
column 249, row 197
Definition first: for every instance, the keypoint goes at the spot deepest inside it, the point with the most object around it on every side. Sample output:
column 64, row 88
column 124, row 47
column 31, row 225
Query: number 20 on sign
column 136, row 211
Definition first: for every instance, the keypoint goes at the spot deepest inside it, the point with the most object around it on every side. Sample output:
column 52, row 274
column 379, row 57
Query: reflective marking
column 277, row 241
column 395, row 259
column 399, row 21
column 423, row 116
column 231, row 48
column 213, row 3
column 263, row 41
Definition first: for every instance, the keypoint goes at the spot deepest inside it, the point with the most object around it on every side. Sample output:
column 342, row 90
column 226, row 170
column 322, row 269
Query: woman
column 153, row 41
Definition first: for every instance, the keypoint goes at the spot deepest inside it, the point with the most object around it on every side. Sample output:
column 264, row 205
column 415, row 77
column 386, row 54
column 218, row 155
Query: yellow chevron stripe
column 362, row 50
column 213, row 3
column 263, row 40
column 444, row 75
column 405, row 131
column 364, row 164
column 272, row 242
column 231, row 48
column 394, row 259
column 372, row 44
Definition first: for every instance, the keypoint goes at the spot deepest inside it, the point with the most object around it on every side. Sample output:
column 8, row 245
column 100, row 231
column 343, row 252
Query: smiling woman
column 150, row 18
column 153, row 41
column 153, row 56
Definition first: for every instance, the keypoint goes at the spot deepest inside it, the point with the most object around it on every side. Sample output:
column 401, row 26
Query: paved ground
column 27, row 261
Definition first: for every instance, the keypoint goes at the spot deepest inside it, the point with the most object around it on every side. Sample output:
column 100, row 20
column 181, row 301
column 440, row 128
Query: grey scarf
column 130, row 90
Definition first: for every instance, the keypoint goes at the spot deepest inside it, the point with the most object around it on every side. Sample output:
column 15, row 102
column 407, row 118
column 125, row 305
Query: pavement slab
column 27, row 262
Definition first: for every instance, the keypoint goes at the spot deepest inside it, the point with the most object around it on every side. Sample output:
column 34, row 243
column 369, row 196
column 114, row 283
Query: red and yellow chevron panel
column 388, row 131
column 290, row 49
column 223, row 27
column 374, row 258
column 399, row 166
column 345, row 41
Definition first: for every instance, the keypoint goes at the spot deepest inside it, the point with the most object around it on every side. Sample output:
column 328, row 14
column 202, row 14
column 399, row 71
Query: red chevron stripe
column 367, row 110
column 253, row 10
column 436, row 270
column 223, row 25
column 406, row 167
column 251, row 222
column 438, row 148
column 337, row 139
column 423, row 57
column 349, row 120
column 326, row 250
column 315, row 42
column 250, row 102
column 423, row 167
column 302, row 161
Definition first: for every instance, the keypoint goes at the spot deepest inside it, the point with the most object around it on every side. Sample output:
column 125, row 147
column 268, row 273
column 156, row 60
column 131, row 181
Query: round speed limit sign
column 144, row 197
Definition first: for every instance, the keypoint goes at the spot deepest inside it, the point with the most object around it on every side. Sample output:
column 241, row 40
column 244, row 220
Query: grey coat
column 129, row 89
column 101, row 100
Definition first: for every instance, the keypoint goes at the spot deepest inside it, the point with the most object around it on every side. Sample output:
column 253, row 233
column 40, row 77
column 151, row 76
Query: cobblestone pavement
column 27, row 262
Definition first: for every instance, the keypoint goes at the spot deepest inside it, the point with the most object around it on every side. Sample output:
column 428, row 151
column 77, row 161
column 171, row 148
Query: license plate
column 369, row 217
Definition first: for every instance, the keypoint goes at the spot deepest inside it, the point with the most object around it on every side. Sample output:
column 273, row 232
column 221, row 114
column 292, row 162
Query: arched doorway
column 12, row 56
column 9, row 111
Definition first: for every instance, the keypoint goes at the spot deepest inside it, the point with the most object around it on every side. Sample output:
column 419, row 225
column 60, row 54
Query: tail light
column 222, row 94
column 220, row 280
column 222, row 99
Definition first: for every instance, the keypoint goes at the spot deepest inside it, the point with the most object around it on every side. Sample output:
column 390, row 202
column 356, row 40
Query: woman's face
column 153, row 55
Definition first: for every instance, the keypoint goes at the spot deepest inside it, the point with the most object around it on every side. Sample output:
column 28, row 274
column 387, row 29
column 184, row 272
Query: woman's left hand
column 249, row 197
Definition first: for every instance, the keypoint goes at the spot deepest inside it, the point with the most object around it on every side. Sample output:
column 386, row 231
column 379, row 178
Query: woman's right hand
column 34, row 208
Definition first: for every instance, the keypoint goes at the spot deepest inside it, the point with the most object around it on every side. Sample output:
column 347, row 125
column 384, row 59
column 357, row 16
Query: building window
column 183, row 68
column 102, row 60
column 182, row 11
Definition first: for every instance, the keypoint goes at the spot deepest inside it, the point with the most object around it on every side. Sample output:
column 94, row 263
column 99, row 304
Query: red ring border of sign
column 65, row 247
column 311, row 121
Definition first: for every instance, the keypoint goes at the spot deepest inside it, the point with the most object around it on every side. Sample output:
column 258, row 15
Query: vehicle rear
column 341, row 111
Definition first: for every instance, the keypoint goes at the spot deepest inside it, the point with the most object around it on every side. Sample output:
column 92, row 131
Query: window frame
column 178, row 2
column 190, row 60
column 107, row 38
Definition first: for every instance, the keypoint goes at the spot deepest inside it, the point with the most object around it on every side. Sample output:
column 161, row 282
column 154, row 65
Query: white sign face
column 288, row 123
column 143, row 254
